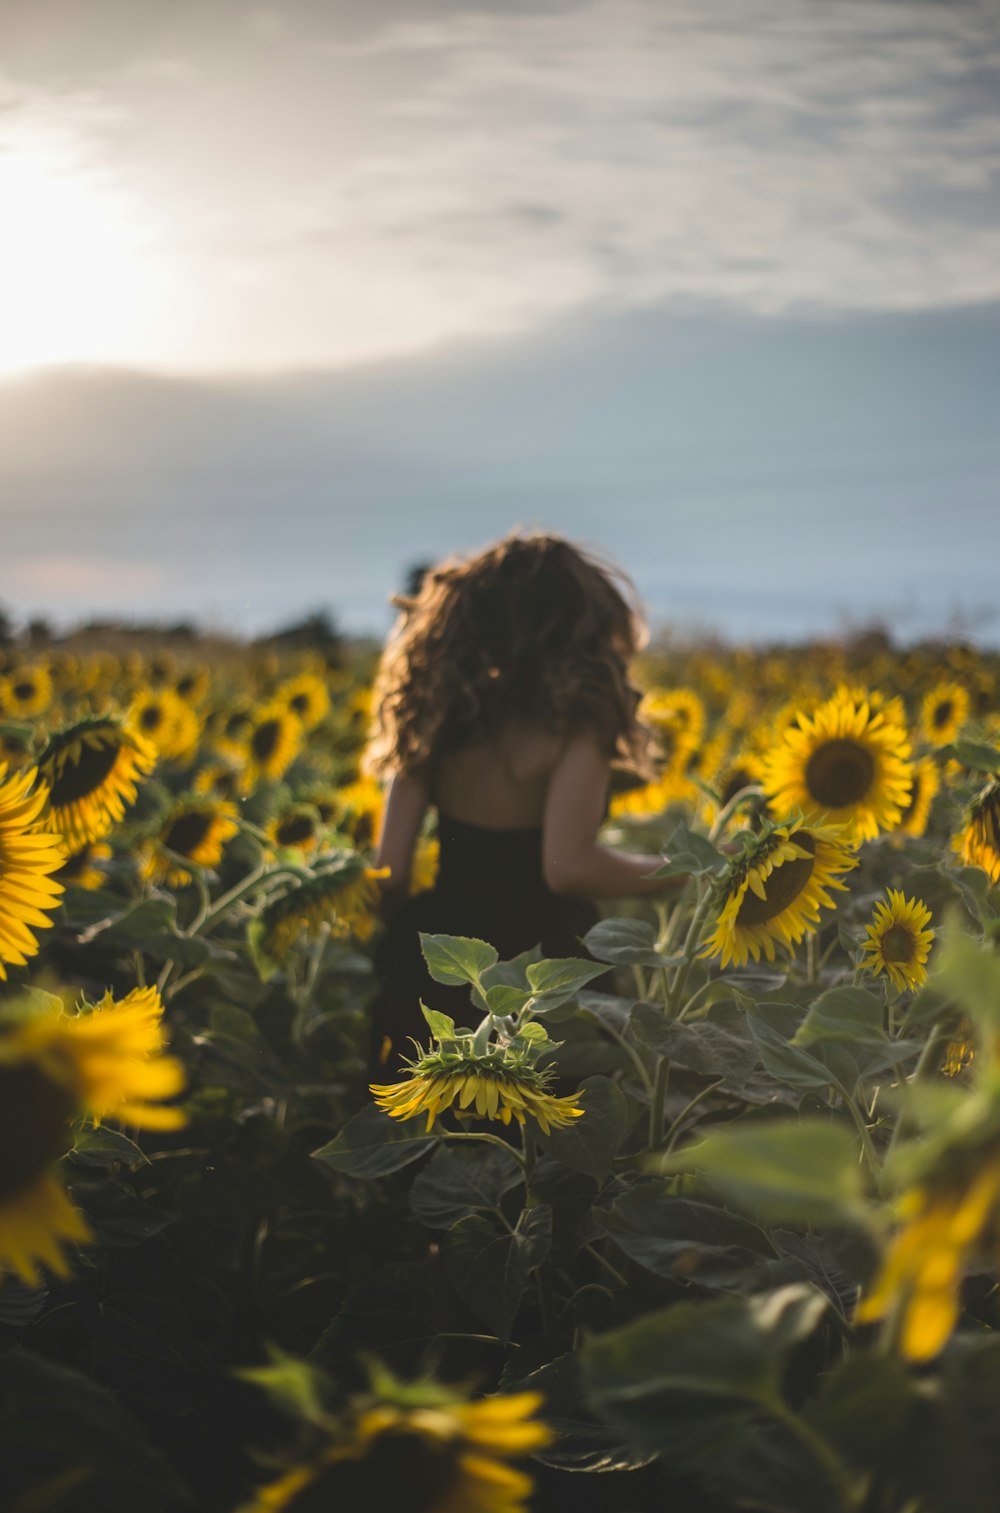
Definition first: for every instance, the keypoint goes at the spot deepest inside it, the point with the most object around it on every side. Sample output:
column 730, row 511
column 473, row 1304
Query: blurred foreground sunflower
column 978, row 843
column 845, row 764
column 36, row 1216
column 92, row 770
column 772, row 895
column 110, row 1058
column 441, row 1455
column 898, row 942
column 29, row 856
column 944, row 1222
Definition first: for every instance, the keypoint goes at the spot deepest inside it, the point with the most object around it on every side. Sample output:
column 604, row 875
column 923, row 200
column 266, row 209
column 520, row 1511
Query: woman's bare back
column 502, row 782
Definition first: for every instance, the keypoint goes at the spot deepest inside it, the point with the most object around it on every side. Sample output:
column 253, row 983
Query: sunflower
column 922, row 1273
column 916, row 811
column 978, row 843
column 498, row 1085
column 959, row 1052
column 26, row 692
column 219, row 780
column 345, row 898
column 424, row 867
column 91, row 771
column 110, row 1057
column 441, row 1455
column 772, row 895
column 29, row 855
column 678, row 714
column 36, row 1216
column 196, row 831
column 307, row 698
column 193, row 685
column 15, row 749
column 943, row 712
column 898, row 941
column 846, row 764
column 359, row 810
column 168, row 722
column 271, row 743
column 82, row 867
column 296, row 828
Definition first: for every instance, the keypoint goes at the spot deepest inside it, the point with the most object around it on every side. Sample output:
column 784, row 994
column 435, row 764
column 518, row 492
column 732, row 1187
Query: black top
column 489, row 885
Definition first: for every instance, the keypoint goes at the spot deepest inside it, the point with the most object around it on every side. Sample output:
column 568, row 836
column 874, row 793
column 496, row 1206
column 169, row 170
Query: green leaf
column 442, row 1026
column 786, row 1062
column 533, row 1034
column 682, row 1239
column 973, row 754
column 788, row 1171
column 512, row 973
column 460, row 1180
column 293, row 1385
column 372, row 1144
column 104, row 1147
column 659, row 1375
column 970, row 974
column 148, row 918
column 456, row 959
column 692, row 852
column 851, row 1014
column 626, row 942
column 591, row 1144
column 561, row 977
column 709, row 1050
column 503, row 999
column 57, row 1418
column 490, row 1267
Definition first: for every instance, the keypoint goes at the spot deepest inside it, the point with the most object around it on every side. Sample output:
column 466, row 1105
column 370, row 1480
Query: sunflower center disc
column 82, row 778
column 782, row 887
column 739, row 778
column 296, row 831
column 943, row 713
column 264, row 741
column 188, row 832
column 400, row 1469
column 898, row 945
column 34, row 1125
column 839, row 773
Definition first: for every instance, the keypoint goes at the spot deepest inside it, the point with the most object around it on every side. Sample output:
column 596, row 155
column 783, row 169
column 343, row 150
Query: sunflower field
column 726, row 1237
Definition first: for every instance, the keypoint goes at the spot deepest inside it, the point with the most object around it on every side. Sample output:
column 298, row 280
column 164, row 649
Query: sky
column 279, row 232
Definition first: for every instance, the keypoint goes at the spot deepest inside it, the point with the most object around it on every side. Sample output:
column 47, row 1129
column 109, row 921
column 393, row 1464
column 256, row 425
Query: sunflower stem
column 933, row 1041
column 447, row 1134
column 655, row 1135
column 675, row 1130
column 728, row 809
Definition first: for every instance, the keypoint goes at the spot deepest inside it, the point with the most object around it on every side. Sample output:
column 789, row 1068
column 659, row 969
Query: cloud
column 323, row 199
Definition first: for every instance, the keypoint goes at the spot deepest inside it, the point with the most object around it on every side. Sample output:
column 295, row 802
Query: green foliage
column 373, row 1145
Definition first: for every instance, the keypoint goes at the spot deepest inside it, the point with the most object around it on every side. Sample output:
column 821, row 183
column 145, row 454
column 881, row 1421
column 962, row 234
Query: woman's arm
column 405, row 804
column 572, row 861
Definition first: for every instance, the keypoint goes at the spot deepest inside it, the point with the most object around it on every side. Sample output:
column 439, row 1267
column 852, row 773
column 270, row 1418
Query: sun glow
column 70, row 270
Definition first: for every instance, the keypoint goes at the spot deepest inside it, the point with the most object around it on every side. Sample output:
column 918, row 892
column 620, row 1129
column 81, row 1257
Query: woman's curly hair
column 533, row 627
